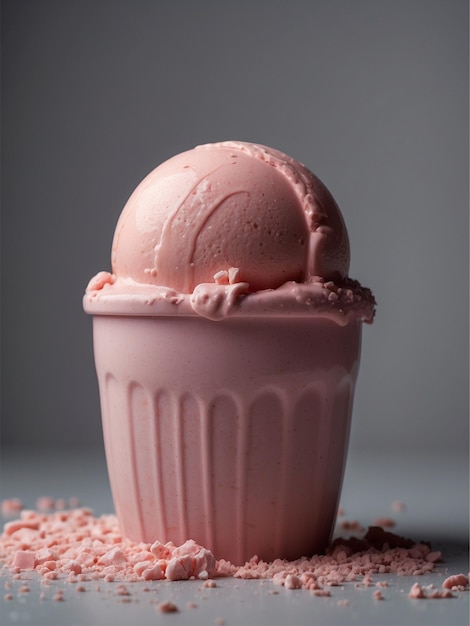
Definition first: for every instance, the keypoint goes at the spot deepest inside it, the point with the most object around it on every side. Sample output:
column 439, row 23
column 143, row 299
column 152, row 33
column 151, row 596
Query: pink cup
column 233, row 433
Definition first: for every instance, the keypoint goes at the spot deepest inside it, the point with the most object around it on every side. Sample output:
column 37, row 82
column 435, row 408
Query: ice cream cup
column 232, row 433
column 227, row 342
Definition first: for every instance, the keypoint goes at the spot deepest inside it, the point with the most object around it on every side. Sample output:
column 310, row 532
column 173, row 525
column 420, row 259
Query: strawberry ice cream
column 227, row 342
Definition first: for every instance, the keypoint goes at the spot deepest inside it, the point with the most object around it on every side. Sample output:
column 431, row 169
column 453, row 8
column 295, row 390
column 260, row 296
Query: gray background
column 372, row 95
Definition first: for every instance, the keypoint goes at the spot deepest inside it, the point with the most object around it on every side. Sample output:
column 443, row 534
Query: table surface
column 433, row 486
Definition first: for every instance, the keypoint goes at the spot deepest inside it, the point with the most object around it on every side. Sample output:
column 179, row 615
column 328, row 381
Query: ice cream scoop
column 227, row 341
column 230, row 205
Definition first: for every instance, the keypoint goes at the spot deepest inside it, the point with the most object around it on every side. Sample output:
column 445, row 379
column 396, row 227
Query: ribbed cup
column 232, row 433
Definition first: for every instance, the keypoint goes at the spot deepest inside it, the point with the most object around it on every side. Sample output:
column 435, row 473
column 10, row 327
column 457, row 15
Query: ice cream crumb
column 233, row 275
column 377, row 595
column 292, row 582
column 457, row 582
column 210, row 584
column 418, row 592
column 351, row 525
column 11, row 506
column 45, row 503
column 167, row 607
column 221, row 278
column 24, row 559
column 219, row 621
column 122, row 590
column 398, row 506
column 385, row 522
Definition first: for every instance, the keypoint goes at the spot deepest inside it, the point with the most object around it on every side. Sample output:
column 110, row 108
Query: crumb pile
column 77, row 546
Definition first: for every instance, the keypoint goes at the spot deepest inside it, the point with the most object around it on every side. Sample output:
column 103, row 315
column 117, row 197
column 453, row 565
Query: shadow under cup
column 233, row 433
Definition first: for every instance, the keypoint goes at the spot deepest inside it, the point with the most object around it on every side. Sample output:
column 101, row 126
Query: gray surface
column 437, row 510
column 373, row 96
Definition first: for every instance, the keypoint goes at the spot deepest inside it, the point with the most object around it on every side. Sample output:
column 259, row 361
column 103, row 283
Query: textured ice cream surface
column 230, row 228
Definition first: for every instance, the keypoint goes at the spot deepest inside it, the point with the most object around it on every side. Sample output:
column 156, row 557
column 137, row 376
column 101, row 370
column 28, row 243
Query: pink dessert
column 227, row 342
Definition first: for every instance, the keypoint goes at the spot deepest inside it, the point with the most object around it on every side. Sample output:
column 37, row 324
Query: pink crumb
column 418, row 592
column 351, row 525
column 45, row 503
column 377, row 595
column 459, row 582
column 167, row 607
column 11, row 506
column 398, row 506
column 24, row 559
column 441, row 594
column 292, row 582
column 385, row 522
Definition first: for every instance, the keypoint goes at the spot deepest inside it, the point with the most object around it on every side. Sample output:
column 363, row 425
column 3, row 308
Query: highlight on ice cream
column 227, row 340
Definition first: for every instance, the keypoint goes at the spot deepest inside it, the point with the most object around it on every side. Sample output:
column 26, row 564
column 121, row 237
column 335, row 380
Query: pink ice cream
column 227, row 342
column 226, row 220
column 230, row 205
